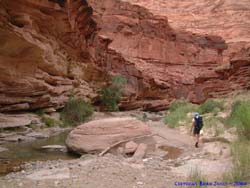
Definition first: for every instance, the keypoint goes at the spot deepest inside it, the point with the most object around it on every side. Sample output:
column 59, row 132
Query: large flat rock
column 97, row 135
column 16, row 120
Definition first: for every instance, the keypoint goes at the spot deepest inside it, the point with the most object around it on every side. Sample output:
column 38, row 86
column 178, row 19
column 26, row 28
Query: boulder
column 95, row 136
column 140, row 152
column 130, row 147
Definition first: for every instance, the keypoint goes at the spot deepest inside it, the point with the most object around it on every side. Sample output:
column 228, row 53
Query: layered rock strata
column 43, row 55
column 51, row 48
column 224, row 18
column 161, row 63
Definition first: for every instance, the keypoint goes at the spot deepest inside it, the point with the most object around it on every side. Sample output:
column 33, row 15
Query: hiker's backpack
column 198, row 122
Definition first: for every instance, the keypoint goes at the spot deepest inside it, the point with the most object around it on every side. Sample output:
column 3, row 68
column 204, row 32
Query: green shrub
column 40, row 112
column 178, row 104
column 233, row 119
column 76, row 111
column 241, row 162
column 211, row 106
column 240, row 117
column 178, row 112
column 111, row 95
column 49, row 122
column 32, row 126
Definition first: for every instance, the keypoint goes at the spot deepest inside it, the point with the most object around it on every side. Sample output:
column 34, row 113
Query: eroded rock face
column 50, row 48
column 161, row 63
column 223, row 18
column 95, row 136
column 226, row 18
column 43, row 56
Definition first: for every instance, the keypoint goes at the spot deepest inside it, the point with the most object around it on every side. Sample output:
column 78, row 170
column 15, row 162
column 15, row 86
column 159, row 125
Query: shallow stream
column 18, row 153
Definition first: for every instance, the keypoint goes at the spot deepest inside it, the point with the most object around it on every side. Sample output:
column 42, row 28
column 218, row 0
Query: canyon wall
column 162, row 63
column 43, row 55
column 51, row 48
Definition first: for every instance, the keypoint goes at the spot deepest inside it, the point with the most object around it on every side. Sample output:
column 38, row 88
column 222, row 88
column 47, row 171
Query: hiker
column 197, row 125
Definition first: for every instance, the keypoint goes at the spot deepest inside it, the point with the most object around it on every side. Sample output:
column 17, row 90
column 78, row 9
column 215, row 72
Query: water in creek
column 172, row 152
column 19, row 153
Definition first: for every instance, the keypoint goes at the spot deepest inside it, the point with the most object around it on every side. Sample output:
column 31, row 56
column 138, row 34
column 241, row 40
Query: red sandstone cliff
column 162, row 63
column 43, row 55
column 51, row 47
column 228, row 19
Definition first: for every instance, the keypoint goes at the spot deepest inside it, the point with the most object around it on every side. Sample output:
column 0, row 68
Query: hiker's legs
column 197, row 137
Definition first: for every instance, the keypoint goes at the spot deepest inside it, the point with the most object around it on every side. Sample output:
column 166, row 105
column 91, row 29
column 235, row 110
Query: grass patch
column 211, row 121
column 49, row 122
column 241, row 162
column 197, row 177
column 32, row 126
column 75, row 112
column 178, row 112
column 211, row 106
column 216, row 123
column 240, row 117
column 218, row 131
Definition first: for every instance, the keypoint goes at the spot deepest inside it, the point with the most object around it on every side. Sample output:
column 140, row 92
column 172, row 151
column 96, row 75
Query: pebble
column 2, row 149
column 146, row 160
column 20, row 184
column 186, row 158
column 56, row 183
column 139, row 183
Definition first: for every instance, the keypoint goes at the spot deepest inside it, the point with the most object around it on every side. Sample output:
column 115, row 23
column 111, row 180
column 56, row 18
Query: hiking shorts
column 197, row 130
